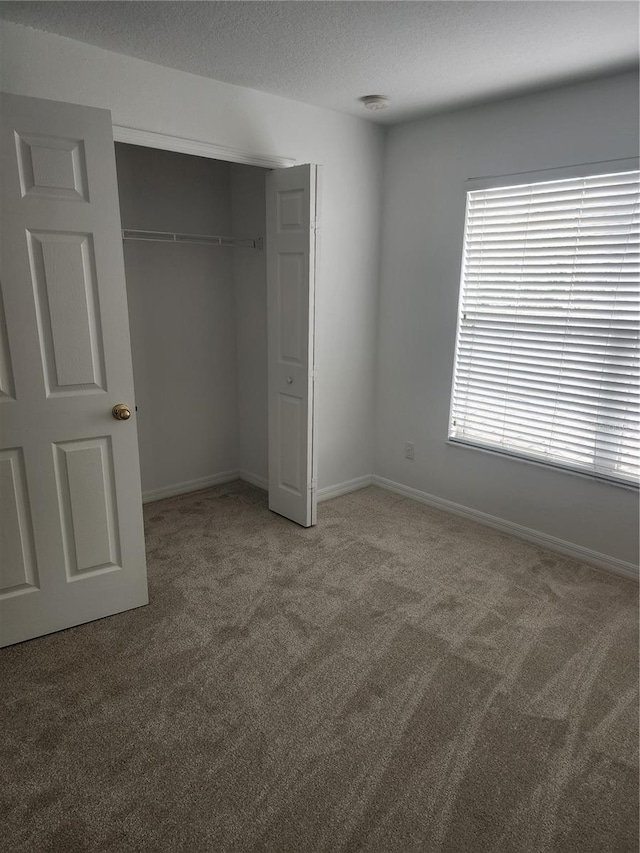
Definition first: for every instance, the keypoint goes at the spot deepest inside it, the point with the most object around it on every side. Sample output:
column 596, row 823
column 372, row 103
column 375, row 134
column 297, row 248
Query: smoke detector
column 375, row 102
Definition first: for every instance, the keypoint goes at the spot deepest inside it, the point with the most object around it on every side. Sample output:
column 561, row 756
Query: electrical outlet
column 409, row 450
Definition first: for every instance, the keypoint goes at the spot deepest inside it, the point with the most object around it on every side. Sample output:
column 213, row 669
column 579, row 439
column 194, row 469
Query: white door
column 291, row 259
column 71, row 535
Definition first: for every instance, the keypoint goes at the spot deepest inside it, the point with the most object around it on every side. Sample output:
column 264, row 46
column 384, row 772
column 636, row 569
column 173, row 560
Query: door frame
column 198, row 148
column 213, row 151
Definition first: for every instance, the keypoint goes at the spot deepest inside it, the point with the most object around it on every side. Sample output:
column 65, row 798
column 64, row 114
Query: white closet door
column 71, row 534
column 291, row 225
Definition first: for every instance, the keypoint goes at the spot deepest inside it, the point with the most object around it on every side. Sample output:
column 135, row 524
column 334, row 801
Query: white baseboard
column 254, row 479
column 561, row 546
column 247, row 477
column 190, row 486
column 343, row 488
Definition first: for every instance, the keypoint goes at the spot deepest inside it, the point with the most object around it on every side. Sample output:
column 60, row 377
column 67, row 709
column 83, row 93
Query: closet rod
column 202, row 239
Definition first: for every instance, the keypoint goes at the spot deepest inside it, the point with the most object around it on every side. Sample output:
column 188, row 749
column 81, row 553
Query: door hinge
column 314, row 375
column 314, row 483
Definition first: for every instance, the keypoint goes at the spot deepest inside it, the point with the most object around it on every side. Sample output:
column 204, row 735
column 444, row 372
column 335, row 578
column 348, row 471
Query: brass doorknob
column 121, row 412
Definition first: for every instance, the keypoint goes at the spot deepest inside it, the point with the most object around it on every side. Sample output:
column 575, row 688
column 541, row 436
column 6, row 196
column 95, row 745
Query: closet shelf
column 202, row 239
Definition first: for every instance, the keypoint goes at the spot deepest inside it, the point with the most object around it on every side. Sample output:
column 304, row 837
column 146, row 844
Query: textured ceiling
column 426, row 56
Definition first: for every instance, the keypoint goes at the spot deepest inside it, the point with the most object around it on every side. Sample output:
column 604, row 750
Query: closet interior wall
column 198, row 319
column 248, row 217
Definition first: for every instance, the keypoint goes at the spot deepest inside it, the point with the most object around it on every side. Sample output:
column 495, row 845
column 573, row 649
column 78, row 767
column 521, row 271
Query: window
column 547, row 349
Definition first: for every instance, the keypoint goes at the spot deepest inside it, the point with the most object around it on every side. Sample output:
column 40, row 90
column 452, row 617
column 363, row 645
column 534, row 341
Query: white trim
column 190, row 486
column 166, row 142
column 254, row 480
column 328, row 492
column 569, row 549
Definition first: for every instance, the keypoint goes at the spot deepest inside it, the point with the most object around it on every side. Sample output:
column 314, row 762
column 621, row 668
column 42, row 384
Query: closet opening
column 193, row 242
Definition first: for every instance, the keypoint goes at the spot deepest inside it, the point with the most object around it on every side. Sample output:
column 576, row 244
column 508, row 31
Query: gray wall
column 182, row 315
column 427, row 163
column 155, row 98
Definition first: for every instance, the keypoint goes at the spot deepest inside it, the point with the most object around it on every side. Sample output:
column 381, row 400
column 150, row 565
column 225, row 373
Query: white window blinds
column 547, row 350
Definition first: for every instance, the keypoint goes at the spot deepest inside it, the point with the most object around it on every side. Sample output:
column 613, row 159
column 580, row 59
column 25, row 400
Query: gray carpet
column 395, row 679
